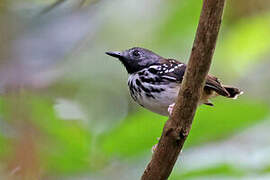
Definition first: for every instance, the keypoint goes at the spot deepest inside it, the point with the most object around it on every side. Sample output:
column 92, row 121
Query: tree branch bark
column 178, row 126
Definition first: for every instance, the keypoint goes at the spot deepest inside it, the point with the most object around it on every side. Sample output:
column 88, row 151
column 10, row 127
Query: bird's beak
column 115, row 54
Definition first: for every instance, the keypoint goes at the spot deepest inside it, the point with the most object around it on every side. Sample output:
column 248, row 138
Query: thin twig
column 58, row 3
column 178, row 126
column 52, row 6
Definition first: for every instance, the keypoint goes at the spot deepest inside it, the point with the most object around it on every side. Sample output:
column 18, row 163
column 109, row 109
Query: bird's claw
column 154, row 147
column 170, row 108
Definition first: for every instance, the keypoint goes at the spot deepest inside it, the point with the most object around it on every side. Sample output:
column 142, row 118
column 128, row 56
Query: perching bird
column 154, row 82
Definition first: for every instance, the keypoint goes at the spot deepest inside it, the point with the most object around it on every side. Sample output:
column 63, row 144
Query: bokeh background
column 65, row 110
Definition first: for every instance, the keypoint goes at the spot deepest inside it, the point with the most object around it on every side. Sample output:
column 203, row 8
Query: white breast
column 161, row 101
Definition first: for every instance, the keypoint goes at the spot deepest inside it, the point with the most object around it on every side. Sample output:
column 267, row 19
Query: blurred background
column 65, row 109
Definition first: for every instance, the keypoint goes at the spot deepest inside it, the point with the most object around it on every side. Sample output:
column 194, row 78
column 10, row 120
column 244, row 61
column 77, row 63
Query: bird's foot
column 170, row 108
column 154, row 147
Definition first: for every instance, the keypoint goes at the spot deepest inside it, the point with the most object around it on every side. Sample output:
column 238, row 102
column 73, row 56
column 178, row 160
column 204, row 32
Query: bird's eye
column 136, row 53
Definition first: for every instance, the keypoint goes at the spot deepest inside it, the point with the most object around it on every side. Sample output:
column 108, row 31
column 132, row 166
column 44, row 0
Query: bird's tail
column 233, row 92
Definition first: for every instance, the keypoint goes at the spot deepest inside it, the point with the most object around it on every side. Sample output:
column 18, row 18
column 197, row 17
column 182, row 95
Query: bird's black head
column 136, row 59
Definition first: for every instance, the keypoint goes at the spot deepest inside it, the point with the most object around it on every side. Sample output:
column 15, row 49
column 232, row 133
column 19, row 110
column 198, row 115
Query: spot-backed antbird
column 154, row 81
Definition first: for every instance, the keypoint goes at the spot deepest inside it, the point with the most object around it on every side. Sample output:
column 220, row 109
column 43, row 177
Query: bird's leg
column 170, row 108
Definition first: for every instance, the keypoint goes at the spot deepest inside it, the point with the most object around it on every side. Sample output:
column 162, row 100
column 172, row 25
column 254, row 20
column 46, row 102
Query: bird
column 154, row 81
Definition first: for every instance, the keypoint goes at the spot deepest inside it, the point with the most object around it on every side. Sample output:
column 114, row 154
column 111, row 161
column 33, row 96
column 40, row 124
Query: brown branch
column 178, row 126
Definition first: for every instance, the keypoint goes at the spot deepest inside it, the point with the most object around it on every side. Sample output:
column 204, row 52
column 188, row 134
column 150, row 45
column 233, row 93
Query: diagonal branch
column 178, row 126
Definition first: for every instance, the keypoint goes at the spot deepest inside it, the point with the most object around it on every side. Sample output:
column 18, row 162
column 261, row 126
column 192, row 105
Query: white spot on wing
column 179, row 65
column 157, row 67
column 171, row 70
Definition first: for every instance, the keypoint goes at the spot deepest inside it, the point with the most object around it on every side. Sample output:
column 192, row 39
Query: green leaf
column 139, row 132
column 181, row 23
column 219, row 170
column 244, row 43
column 224, row 119
column 65, row 145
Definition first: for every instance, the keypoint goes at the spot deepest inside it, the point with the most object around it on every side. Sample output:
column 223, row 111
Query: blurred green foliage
column 65, row 146
column 224, row 170
column 139, row 132
column 225, row 119
column 70, row 149
column 245, row 44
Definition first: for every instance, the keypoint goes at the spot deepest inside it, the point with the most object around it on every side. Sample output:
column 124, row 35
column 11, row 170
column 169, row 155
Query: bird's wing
column 173, row 71
column 211, row 83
